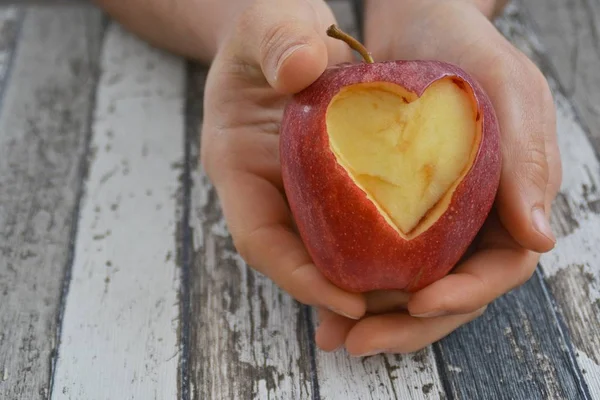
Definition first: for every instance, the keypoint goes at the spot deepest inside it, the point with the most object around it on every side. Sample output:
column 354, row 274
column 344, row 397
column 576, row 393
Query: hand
column 275, row 48
column 507, row 250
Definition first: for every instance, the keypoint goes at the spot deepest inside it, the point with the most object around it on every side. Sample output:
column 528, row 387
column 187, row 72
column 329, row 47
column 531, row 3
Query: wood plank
column 248, row 338
column 570, row 33
column 120, row 333
column 516, row 350
column 43, row 130
column 412, row 376
column 572, row 269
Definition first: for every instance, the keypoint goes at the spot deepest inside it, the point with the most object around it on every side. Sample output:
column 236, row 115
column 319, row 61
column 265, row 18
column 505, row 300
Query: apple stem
column 336, row 33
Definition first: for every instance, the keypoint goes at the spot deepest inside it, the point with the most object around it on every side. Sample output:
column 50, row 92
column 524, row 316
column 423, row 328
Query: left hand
column 508, row 247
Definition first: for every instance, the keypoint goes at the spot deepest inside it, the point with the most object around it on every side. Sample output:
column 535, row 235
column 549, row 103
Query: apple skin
column 349, row 241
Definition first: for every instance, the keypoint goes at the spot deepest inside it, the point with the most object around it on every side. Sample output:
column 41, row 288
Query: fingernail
column 286, row 54
column 430, row 314
column 343, row 314
column 541, row 224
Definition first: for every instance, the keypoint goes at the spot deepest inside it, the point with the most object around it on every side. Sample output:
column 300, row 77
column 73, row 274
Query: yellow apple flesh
column 409, row 153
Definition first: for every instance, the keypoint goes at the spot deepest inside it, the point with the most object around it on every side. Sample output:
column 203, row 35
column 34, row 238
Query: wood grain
column 411, row 376
column 572, row 269
column 248, row 338
column 120, row 333
column 43, row 129
column 570, row 33
column 516, row 350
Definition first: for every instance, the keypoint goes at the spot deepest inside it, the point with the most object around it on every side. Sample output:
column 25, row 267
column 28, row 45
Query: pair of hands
column 276, row 49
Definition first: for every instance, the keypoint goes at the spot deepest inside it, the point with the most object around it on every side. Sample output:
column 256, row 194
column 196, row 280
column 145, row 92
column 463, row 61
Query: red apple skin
column 348, row 239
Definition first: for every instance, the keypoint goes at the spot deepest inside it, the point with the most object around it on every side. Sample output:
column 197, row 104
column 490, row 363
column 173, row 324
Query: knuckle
column 278, row 37
column 534, row 165
column 526, row 274
column 504, row 65
column 218, row 152
column 209, row 153
column 245, row 243
column 274, row 40
column 296, row 284
column 405, row 343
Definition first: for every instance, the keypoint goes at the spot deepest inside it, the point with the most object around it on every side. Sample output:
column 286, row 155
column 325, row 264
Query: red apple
column 390, row 170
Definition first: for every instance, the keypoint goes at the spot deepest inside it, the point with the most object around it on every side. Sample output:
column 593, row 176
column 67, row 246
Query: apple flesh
column 390, row 170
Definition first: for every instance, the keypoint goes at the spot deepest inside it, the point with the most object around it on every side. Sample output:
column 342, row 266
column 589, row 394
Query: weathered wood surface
column 43, row 128
column 570, row 33
column 248, row 338
column 232, row 333
column 120, row 331
column 516, row 351
column 410, row 376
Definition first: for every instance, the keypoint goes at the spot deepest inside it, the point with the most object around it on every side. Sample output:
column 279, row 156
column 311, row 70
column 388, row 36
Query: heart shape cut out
column 411, row 152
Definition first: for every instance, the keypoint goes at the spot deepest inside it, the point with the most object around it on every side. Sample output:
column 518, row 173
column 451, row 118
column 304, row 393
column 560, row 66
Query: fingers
column 262, row 232
column 382, row 301
column 401, row 333
column 332, row 331
column 498, row 266
column 479, row 281
column 287, row 41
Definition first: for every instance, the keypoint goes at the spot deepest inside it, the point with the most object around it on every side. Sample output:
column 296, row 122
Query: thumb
column 287, row 41
column 522, row 195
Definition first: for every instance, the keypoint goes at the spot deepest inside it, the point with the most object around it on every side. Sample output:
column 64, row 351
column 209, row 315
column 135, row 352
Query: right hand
column 275, row 48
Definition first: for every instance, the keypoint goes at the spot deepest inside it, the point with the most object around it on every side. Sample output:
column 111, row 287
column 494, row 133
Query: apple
column 390, row 169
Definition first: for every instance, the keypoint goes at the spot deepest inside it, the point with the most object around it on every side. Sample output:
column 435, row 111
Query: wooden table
column 119, row 280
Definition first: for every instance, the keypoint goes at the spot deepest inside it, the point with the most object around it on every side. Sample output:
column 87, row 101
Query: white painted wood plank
column 572, row 269
column 248, row 337
column 46, row 106
column 119, row 338
column 412, row 376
